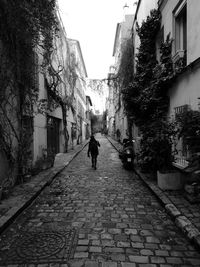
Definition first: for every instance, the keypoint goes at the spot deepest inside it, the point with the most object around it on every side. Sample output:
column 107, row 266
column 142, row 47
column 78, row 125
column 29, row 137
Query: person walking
column 93, row 151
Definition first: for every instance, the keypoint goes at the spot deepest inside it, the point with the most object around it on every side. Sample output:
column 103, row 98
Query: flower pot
column 171, row 180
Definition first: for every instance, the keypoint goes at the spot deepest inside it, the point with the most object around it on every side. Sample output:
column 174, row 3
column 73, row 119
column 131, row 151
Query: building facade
column 88, row 116
column 79, row 90
column 53, row 122
column 117, row 119
column 180, row 20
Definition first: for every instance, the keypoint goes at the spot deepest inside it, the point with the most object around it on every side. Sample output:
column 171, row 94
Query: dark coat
column 93, row 147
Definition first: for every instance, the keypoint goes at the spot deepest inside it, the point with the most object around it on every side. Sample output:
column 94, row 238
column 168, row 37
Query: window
column 180, row 18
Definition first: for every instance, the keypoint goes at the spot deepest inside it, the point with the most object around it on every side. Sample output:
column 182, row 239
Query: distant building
column 88, row 116
column 80, row 90
column 117, row 119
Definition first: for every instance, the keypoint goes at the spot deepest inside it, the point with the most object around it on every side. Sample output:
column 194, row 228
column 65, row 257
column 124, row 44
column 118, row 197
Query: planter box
column 170, row 181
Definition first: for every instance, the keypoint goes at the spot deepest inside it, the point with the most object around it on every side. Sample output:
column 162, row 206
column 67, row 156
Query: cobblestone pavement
column 185, row 214
column 96, row 218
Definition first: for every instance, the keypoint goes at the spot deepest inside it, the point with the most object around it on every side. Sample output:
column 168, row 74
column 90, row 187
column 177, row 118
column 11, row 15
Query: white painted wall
column 193, row 30
column 39, row 122
column 193, row 26
column 186, row 88
column 185, row 91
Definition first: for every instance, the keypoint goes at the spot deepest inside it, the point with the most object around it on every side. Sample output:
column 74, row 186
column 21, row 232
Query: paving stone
column 109, row 264
column 122, row 225
column 157, row 259
column 182, row 222
column 176, row 254
column 114, row 231
column 83, row 242
column 93, row 236
column 82, row 236
column 108, row 243
column 121, row 237
column 137, row 245
column 136, row 238
column 123, row 244
column 106, row 236
column 162, row 253
column 139, row 259
column 91, row 264
column 75, row 263
column 146, row 233
column 151, row 246
column 173, row 211
column 114, row 250
column 81, row 255
column 118, row 257
column 127, row 264
column 174, row 260
column 96, row 242
column 95, row 249
column 152, row 239
column 147, row 265
column 81, row 248
column 146, row 252
column 165, row 247
column 130, row 231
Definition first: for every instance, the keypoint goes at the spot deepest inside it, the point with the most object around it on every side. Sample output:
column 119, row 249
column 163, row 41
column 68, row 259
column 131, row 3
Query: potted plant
column 168, row 178
column 189, row 131
column 157, row 153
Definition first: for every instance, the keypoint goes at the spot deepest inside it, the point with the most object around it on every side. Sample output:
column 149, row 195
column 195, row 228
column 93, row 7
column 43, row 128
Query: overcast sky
column 93, row 23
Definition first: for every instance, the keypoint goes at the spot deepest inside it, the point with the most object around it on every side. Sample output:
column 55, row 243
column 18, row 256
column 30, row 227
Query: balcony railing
column 180, row 162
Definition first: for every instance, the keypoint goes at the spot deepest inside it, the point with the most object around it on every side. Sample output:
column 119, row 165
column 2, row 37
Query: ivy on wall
column 146, row 96
column 24, row 26
column 139, row 95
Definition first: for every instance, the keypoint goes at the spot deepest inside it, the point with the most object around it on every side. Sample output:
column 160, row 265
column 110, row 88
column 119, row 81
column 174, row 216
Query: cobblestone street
column 96, row 218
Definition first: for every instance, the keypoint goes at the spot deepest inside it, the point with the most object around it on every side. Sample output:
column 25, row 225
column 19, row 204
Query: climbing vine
column 21, row 39
column 146, row 95
column 67, row 74
column 139, row 95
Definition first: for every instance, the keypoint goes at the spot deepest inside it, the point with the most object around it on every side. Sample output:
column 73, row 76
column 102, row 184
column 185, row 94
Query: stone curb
column 14, row 212
column 181, row 221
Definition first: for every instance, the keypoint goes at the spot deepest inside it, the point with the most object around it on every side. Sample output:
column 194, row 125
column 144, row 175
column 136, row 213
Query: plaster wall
column 193, row 30
column 186, row 88
column 193, row 26
column 39, row 123
column 185, row 91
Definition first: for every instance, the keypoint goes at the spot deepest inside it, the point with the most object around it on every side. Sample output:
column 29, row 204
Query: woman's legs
column 94, row 161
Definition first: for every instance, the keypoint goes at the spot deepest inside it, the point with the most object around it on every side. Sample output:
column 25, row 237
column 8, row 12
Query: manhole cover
column 40, row 245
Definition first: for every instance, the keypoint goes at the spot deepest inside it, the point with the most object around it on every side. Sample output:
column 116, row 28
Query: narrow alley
column 96, row 218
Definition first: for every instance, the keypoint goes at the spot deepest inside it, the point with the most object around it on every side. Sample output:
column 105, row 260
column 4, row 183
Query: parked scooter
column 127, row 155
